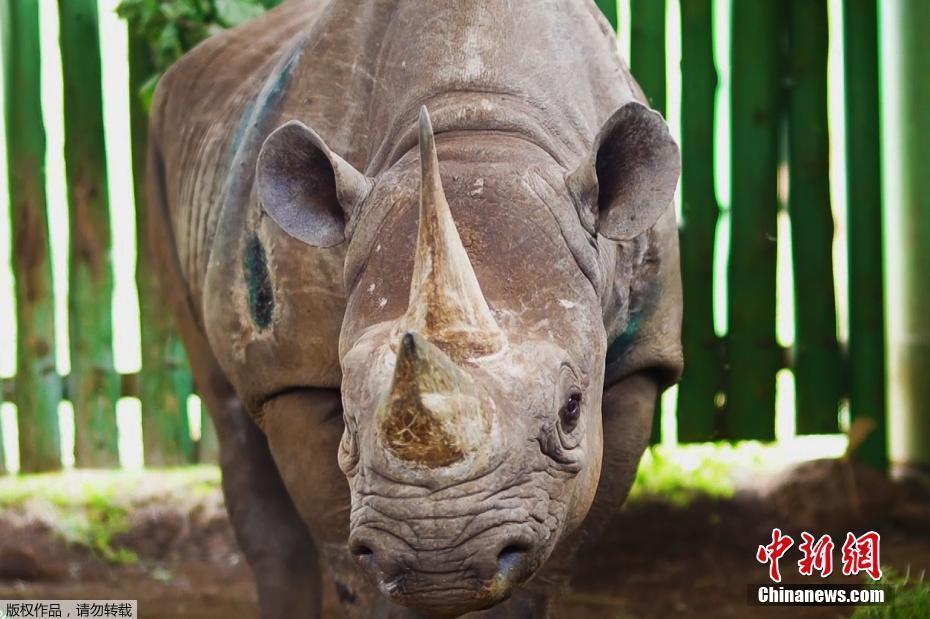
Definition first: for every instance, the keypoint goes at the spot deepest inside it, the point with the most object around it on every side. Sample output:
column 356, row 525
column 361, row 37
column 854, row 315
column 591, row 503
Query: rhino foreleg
column 275, row 541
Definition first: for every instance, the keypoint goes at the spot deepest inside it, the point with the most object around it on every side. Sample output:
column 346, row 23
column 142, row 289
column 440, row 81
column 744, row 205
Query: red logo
column 817, row 555
column 773, row 552
column 860, row 554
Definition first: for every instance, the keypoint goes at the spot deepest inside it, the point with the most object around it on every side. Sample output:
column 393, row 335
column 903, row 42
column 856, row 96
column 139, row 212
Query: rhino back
column 197, row 101
column 548, row 70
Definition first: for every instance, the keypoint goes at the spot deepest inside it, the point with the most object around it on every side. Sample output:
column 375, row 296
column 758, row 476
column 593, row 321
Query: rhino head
column 473, row 357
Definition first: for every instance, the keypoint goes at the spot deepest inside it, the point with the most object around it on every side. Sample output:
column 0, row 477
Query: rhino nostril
column 512, row 560
column 361, row 551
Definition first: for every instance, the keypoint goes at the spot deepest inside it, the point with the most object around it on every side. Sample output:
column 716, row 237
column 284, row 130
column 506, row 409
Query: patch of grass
column 92, row 487
column 910, row 597
column 90, row 508
column 95, row 528
column 679, row 474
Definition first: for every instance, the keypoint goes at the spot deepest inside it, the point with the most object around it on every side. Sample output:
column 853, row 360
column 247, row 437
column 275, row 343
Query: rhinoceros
column 424, row 259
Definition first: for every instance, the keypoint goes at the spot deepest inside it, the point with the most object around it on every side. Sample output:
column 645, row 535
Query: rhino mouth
column 454, row 550
column 448, row 581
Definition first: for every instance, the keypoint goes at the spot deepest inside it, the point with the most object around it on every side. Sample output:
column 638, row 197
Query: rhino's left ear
column 310, row 191
column 629, row 178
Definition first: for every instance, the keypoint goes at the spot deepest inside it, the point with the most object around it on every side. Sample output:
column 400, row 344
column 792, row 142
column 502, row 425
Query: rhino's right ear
column 310, row 191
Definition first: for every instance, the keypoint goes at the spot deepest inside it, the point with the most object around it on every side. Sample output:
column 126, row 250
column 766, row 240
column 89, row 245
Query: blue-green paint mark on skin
column 253, row 129
column 258, row 282
column 618, row 347
column 241, row 130
column 244, row 149
column 623, row 340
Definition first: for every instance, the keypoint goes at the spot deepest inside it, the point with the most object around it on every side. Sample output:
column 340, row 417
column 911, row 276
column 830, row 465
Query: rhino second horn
column 432, row 416
column 446, row 303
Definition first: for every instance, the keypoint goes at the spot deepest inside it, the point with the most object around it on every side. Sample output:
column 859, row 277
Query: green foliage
column 910, row 597
column 172, row 27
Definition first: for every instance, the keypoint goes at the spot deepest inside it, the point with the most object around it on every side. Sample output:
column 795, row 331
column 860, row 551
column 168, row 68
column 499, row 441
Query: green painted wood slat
column 817, row 363
column 754, row 357
column 703, row 376
column 94, row 386
column 38, row 388
column 866, row 380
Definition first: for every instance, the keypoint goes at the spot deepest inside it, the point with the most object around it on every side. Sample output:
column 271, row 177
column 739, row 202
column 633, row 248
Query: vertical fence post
column 94, row 386
column 906, row 97
column 864, row 207
column 2, row 448
column 703, row 372
column 37, row 386
column 817, row 365
column 165, row 380
column 6, row 386
column 647, row 49
column 754, row 357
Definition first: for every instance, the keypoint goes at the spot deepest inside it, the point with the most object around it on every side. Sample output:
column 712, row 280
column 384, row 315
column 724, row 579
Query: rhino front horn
column 446, row 304
column 433, row 415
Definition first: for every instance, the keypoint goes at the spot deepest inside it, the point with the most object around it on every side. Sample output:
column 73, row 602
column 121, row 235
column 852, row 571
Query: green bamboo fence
column 866, row 378
column 817, row 363
column 904, row 30
column 94, row 386
column 609, row 9
column 647, row 49
column 37, row 385
column 703, row 376
column 647, row 63
column 754, row 357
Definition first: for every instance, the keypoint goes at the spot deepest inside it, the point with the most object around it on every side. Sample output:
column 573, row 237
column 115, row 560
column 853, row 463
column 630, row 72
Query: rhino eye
column 571, row 411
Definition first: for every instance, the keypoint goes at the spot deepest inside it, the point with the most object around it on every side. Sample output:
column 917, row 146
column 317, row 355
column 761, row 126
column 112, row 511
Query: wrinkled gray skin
column 289, row 262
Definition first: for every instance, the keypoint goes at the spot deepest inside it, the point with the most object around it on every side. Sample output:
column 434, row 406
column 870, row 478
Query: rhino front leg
column 275, row 541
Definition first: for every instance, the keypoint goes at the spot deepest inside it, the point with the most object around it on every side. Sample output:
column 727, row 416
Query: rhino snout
column 450, row 581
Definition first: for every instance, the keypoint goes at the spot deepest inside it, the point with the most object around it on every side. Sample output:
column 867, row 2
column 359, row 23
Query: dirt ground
column 658, row 560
